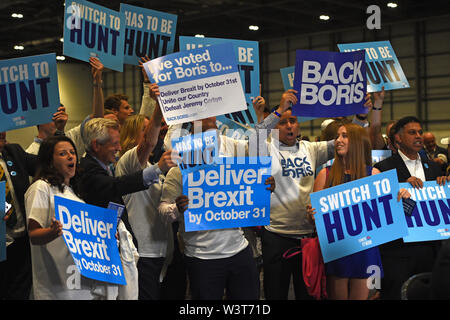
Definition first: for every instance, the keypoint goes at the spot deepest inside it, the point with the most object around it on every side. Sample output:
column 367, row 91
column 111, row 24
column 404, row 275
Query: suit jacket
column 432, row 171
column 430, row 168
column 98, row 188
column 20, row 165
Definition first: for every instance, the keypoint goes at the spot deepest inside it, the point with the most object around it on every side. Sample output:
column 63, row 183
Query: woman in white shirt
column 55, row 275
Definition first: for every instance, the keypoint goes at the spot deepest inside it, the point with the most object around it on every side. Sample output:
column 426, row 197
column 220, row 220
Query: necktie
column 8, row 197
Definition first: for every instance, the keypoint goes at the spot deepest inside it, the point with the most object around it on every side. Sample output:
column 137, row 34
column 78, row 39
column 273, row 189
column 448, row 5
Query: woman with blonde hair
column 132, row 131
column 347, row 276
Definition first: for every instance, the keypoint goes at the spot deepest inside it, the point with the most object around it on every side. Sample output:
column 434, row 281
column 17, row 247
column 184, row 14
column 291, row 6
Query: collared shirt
column 415, row 167
column 150, row 174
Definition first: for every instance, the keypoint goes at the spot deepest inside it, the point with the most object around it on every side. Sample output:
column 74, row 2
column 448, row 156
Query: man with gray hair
column 98, row 185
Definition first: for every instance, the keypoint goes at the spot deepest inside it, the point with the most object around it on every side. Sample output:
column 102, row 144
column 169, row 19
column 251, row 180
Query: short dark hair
column 403, row 122
column 113, row 102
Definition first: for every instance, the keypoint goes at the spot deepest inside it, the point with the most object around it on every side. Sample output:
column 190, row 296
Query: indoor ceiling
column 40, row 29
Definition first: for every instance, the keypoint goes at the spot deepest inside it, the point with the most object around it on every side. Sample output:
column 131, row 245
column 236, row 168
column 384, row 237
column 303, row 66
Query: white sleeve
column 169, row 212
column 148, row 104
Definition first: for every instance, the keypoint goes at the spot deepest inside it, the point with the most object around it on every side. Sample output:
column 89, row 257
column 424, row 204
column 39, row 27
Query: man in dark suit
column 98, row 184
column 402, row 260
column 15, row 271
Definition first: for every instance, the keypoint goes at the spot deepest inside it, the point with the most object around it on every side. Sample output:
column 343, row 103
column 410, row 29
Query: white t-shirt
column 55, row 276
column 142, row 207
column 294, row 171
column 210, row 244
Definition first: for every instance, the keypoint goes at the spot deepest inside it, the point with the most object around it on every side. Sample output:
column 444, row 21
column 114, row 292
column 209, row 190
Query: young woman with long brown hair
column 347, row 276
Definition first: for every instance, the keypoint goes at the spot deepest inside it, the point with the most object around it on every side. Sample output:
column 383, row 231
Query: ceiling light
column 19, row 47
column 61, row 39
column 61, row 58
column 324, row 17
column 254, row 28
column 17, row 15
column 392, row 5
column 200, row 35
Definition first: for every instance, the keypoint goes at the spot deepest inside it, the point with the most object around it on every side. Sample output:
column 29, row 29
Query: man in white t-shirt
column 293, row 165
column 218, row 260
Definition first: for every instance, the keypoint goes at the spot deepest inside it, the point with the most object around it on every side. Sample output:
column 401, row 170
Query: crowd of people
column 117, row 156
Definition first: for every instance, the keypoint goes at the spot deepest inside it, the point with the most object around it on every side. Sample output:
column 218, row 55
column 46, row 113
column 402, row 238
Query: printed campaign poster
column 147, row 33
column 358, row 215
column 197, row 150
column 228, row 195
column 89, row 233
column 287, row 76
column 91, row 30
column 247, row 55
column 29, row 93
column 197, row 84
column 2, row 222
column 329, row 84
column 430, row 219
column 382, row 65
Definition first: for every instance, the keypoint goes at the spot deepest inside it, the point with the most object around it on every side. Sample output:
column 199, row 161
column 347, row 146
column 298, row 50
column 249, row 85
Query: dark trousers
column 400, row 263
column 278, row 270
column 149, row 270
column 238, row 275
column 15, row 272
column 174, row 284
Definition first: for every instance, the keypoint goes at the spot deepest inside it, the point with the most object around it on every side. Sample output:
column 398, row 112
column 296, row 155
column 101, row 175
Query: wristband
column 279, row 115
column 373, row 108
column 361, row 118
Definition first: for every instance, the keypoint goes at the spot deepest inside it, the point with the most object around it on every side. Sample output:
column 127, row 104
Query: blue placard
column 382, row 65
column 228, row 195
column 380, row 155
column 329, row 84
column 89, row 233
column 2, row 222
column 430, row 219
column 358, row 215
column 196, row 150
column 287, row 76
column 147, row 33
column 247, row 55
column 91, row 30
column 197, row 84
column 29, row 92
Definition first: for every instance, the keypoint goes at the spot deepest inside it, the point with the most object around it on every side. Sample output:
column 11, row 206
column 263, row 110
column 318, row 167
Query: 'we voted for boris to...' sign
column 89, row 233
column 382, row 65
column 430, row 219
column 329, row 84
column 247, row 55
column 358, row 215
column 228, row 195
column 91, row 30
column 197, row 84
column 147, row 33
column 29, row 93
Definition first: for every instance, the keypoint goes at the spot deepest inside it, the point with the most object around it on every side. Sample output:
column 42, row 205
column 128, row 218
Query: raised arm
column 376, row 138
column 98, row 99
